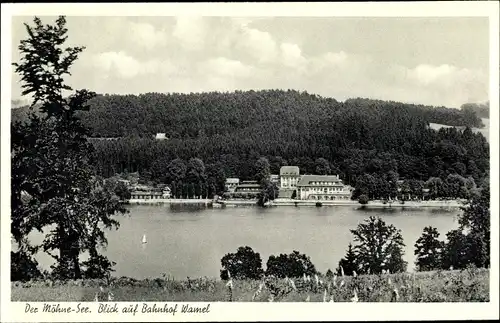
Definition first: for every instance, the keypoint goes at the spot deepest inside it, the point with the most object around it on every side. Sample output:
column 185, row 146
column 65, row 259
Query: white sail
column 144, row 239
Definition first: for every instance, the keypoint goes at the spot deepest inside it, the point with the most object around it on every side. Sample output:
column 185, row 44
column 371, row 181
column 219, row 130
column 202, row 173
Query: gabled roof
column 232, row 180
column 289, row 170
column 306, row 180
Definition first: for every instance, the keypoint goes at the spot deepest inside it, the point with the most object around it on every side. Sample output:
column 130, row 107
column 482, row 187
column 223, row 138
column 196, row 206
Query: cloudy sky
column 437, row 61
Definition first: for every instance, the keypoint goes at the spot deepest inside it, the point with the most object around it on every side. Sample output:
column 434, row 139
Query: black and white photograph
column 180, row 160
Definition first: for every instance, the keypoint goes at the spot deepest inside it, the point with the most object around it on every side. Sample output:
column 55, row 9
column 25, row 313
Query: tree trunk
column 69, row 255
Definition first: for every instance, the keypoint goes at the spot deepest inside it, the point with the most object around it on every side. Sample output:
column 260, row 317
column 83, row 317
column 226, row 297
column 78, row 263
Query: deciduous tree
column 379, row 247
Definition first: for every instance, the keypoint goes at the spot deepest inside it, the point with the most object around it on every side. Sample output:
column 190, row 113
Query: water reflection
column 187, row 208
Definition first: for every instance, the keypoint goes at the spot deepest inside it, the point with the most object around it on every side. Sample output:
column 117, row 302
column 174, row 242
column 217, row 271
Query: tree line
column 379, row 248
column 425, row 155
column 207, row 114
column 233, row 130
column 482, row 110
column 388, row 187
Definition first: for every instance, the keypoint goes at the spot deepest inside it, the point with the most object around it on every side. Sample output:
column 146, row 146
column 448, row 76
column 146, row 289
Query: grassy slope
column 471, row 285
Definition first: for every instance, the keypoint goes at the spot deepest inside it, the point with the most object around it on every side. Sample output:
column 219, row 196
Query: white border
column 264, row 311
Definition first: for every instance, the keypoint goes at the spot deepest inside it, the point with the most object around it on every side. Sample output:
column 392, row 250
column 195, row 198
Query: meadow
column 468, row 285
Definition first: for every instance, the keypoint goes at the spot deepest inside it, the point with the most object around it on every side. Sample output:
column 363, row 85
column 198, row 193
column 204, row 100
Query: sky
column 434, row 61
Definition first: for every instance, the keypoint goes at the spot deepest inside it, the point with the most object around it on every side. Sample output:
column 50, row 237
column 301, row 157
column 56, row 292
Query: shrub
column 292, row 265
column 245, row 263
column 329, row 274
column 363, row 199
column 23, row 267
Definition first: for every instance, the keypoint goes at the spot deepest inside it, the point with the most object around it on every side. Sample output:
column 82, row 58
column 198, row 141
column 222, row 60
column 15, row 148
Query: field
column 470, row 285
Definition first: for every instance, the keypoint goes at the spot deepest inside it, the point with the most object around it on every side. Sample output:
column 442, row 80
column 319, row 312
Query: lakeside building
column 275, row 179
column 232, row 183
column 161, row 136
column 151, row 194
column 322, row 187
column 289, row 176
column 247, row 188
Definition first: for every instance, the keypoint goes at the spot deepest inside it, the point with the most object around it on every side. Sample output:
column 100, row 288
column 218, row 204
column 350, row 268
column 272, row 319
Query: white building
column 274, row 179
column 232, row 183
column 161, row 136
column 322, row 187
column 289, row 176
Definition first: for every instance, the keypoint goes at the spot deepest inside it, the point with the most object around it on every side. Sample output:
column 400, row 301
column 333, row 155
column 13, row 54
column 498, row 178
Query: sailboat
column 144, row 239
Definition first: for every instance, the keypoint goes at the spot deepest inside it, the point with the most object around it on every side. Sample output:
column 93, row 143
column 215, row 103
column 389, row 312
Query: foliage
column 475, row 218
column 262, row 170
column 53, row 183
column 379, row 247
column 269, row 191
column 23, row 267
column 323, row 167
column 456, row 253
column 482, row 110
column 119, row 188
column 293, row 265
column 428, row 250
column 363, row 199
column 470, row 243
column 245, row 263
column 348, row 263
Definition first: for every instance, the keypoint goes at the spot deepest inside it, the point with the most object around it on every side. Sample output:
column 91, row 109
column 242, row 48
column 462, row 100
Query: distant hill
column 188, row 115
column 230, row 131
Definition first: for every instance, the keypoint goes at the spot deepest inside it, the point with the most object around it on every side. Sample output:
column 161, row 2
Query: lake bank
column 447, row 204
column 470, row 285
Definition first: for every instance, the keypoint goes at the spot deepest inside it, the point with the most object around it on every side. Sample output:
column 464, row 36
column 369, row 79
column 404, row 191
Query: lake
column 191, row 241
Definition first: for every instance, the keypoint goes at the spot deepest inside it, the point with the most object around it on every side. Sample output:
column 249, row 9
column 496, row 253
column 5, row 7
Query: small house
column 161, row 136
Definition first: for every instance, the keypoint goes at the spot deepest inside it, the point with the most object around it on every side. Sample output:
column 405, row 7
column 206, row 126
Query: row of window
column 326, row 197
column 149, row 197
column 244, row 189
column 325, row 190
column 325, row 183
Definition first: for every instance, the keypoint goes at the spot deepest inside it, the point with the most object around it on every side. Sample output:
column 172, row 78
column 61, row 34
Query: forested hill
column 188, row 115
column 230, row 131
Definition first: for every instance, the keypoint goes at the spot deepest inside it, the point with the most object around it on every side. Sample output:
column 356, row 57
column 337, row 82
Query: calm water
column 191, row 242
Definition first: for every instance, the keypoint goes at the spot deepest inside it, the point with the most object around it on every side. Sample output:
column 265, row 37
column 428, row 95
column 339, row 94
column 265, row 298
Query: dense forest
column 482, row 110
column 231, row 131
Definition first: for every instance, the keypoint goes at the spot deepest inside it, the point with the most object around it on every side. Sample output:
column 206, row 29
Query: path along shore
column 289, row 202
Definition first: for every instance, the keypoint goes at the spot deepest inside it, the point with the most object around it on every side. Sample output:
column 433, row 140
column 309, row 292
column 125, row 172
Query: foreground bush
column 245, row 263
column 292, row 265
column 23, row 267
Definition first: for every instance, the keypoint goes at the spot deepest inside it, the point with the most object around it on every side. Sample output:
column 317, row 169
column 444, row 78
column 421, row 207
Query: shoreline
column 447, row 204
